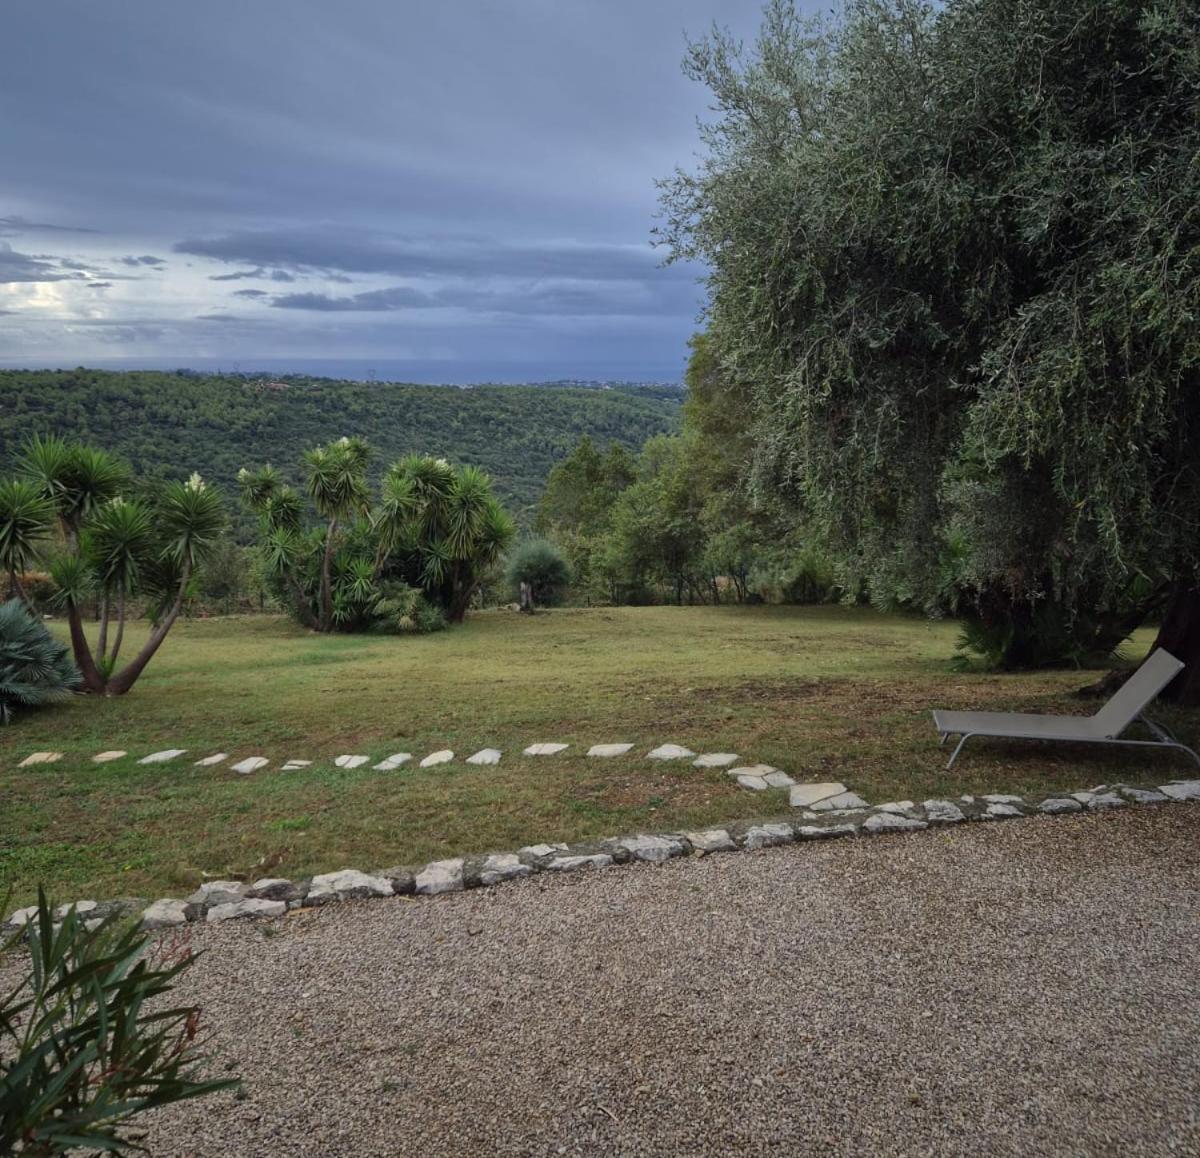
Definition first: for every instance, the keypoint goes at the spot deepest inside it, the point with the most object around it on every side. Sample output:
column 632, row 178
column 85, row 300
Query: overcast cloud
column 448, row 190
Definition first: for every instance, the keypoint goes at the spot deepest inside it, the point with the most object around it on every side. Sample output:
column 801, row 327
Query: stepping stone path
column 351, row 761
column 760, row 777
column 393, row 762
column 163, row 756
column 485, row 756
column 607, row 751
column 670, row 752
column 41, row 758
column 105, row 757
column 209, row 761
column 545, row 749
column 435, row 758
column 296, row 765
column 715, row 760
column 806, row 795
column 251, row 764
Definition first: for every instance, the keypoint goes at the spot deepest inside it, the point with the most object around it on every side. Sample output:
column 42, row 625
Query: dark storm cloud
column 251, row 293
column 23, row 267
column 137, row 262
column 99, row 285
column 13, row 224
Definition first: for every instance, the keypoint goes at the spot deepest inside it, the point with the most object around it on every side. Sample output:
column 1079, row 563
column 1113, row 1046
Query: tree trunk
column 128, row 675
column 1180, row 635
column 301, row 602
column 526, row 598
column 116, row 651
column 326, row 579
column 17, row 591
column 93, row 681
column 102, row 639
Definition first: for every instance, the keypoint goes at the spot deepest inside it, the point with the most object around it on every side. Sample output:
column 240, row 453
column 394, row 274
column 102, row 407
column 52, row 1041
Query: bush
column 79, row 1053
column 541, row 565
column 40, row 589
column 35, row 669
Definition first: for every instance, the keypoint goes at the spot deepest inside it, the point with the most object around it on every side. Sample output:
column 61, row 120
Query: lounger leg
column 1189, row 751
column 958, row 749
column 942, row 741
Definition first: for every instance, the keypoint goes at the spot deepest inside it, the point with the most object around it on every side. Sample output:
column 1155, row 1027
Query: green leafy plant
column 85, row 1042
column 541, row 565
column 35, row 669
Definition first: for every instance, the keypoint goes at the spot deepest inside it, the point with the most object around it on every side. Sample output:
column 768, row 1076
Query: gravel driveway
column 1011, row 988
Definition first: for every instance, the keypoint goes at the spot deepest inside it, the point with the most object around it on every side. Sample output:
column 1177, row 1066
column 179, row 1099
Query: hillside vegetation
column 168, row 424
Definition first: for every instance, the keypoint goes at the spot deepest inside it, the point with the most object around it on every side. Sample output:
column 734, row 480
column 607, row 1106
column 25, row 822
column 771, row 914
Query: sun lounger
column 1105, row 727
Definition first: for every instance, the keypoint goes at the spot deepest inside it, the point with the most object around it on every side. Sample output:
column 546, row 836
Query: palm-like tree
column 77, row 479
column 336, row 483
column 26, row 521
column 119, row 545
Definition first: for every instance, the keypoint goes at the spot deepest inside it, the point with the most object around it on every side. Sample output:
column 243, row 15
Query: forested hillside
column 169, row 424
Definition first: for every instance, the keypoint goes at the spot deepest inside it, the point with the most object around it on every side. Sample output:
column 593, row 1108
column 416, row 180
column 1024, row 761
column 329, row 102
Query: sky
column 441, row 190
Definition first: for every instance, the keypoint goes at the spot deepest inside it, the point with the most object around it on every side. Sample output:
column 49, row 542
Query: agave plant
column 35, row 669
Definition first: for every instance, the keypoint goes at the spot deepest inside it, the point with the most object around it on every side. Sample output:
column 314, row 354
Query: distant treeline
column 168, row 424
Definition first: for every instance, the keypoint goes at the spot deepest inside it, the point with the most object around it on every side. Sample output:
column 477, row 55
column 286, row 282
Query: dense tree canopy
column 954, row 254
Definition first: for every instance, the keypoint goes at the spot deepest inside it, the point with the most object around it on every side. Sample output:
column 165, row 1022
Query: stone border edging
column 216, row 901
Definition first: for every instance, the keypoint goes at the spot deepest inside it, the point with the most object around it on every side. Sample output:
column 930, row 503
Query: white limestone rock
column 209, row 761
column 541, row 850
column 670, row 752
column 163, row 756
column 806, row 795
column 247, row 907
column 165, row 913
column 22, row 917
column 884, row 822
column 80, row 908
column 351, row 761
column 825, row 831
column 711, row 840
column 1106, row 800
column 1181, row 789
column 1144, row 795
column 545, row 749
column 106, row 757
column 1059, row 804
column 655, row 849
column 502, row 866
column 778, row 779
column 296, row 765
column 485, row 756
column 840, row 803
column 766, row 835
column 441, row 876
column 943, row 812
column 1083, row 797
column 1001, row 798
column 566, row 864
column 754, row 783
column 899, row 807
column 347, row 885
column 715, row 760
column 250, row 764
column 444, row 756
column 608, row 751
column 1001, row 812
column 392, row 762
column 43, row 758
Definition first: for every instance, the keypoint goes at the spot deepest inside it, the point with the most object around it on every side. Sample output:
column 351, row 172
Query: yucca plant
column 35, row 669
column 86, row 1043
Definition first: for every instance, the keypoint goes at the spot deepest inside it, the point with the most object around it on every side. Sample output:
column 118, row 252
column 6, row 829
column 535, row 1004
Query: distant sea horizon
column 426, row 373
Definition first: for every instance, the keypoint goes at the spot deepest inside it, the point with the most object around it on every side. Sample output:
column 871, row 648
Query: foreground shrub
column 35, row 669
column 80, row 1052
column 541, row 566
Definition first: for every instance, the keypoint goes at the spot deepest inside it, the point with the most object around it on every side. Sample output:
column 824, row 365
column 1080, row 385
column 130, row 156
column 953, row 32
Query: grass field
column 827, row 693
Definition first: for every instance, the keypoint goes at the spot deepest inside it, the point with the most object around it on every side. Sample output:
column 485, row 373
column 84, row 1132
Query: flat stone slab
column 825, row 831
column 541, row 850
column 444, row 756
column 502, row 866
column 485, row 756
column 805, row 795
column 1003, row 798
column 778, row 779
column 296, row 765
column 165, row 913
column 711, row 840
column 163, row 756
column 43, row 758
column 80, row 908
column 655, row 849
column 1181, row 789
column 766, row 835
column 566, row 864
column 545, row 749
column 884, row 822
column 351, row 761
column 250, row 764
column 209, row 761
column 754, row 783
column 441, row 876
column 899, row 807
column 1002, row 812
column 943, row 812
column 218, row 893
column 838, row 803
column 248, row 907
column 392, row 762
column 105, row 757
column 607, row 751
column 22, row 917
column 1145, row 795
column 670, row 752
column 1058, row 804
column 715, row 760
column 347, row 885
column 1107, row 800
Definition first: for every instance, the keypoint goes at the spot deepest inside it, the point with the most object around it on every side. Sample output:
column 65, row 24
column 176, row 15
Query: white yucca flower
column 195, row 483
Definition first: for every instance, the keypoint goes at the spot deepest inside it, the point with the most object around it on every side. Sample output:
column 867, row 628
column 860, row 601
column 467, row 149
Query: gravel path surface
column 988, row 989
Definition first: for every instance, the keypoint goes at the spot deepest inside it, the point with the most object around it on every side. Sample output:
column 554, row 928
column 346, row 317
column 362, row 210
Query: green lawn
column 820, row 692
